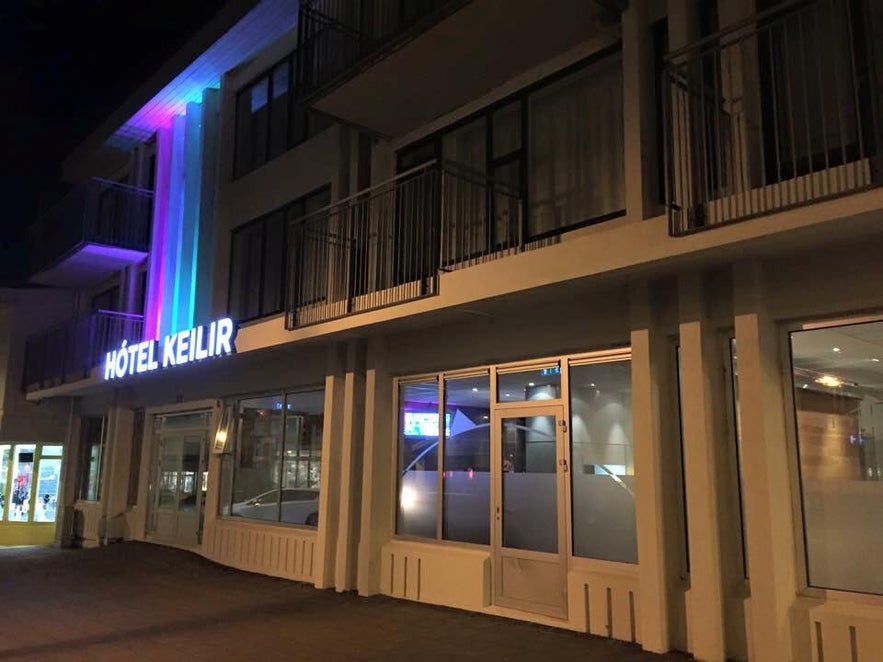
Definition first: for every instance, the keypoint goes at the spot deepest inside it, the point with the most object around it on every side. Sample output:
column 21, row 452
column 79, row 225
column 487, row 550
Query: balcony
column 777, row 111
column 94, row 231
column 387, row 245
column 68, row 352
column 377, row 64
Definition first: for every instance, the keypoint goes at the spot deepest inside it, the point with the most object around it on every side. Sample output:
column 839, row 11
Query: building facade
column 562, row 313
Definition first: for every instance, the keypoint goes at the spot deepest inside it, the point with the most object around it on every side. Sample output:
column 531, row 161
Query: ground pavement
column 135, row 601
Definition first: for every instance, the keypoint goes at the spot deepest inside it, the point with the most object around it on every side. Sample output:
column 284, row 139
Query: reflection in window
column 91, row 447
column 602, row 475
column 838, row 400
column 5, row 456
column 21, row 488
column 529, row 385
column 419, row 429
column 275, row 471
column 467, row 462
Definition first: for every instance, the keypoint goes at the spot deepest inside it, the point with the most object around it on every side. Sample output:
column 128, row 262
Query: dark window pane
column 245, row 277
column 274, row 263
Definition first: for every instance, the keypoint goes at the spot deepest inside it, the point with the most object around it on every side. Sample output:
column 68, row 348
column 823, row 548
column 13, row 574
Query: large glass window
column 603, row 473
column 258, row 259
column 269, row 121
column 23, row 460
column 467, row 460
column 576, row 149
column 5, row 459
column 274, row 474
column 838, row 400
column 92, row 432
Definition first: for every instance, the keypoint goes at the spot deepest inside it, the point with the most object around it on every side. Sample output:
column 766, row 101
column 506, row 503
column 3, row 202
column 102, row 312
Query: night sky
column 65, row 65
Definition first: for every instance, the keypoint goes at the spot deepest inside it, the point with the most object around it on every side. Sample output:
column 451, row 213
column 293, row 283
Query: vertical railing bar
column 806, row 107
column 859, row 129
column 790, row 99
column 718, row 109
column 818, row 52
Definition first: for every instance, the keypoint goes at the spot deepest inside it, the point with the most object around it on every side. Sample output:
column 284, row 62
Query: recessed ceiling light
column 806, row 386
column 506, row 395
column 876, row 360
column 829, row 381
column 592, row 385
column 836, row 349
column 475, row 389
column 531, row 384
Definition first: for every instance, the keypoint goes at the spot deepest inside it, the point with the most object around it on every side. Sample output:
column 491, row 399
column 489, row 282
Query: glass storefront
column 446, row 475
column 274, row 471
column 30, row 475
column 838, row 411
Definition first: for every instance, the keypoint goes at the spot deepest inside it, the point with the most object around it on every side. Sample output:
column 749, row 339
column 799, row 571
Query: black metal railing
column 387, row 244
column 99, row 211
column 776, row 111
column 335, row 35
column 68, row 352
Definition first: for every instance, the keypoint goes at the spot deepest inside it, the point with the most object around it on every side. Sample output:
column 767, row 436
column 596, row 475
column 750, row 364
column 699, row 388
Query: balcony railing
column 68, row 352
column 98, row 211
column 335, row 35
column 777, row 111
column 386, row 245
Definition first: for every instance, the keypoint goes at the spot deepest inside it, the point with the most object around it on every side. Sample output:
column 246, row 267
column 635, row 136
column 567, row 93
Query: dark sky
column 64, row 66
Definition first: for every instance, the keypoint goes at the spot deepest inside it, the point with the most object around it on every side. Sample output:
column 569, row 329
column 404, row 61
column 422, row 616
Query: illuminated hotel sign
column 201, row 342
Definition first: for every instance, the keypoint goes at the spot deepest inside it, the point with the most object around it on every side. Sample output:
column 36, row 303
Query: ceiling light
column 531, row 384
column 876, row 360
column 806, row 386
column 829, row 381
column 475, row 389
column 836, row 349
column 506, row 395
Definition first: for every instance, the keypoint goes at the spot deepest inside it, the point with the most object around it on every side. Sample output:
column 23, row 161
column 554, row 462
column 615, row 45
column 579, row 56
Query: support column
column 353, row 430
column 67, row 490
column 703, row 437
column 767, row 498
column 657, row 475
column 378, row 477
column 330, row 497
column 117, row 455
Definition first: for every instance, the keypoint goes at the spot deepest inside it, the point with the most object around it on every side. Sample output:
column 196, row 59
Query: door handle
column 563, row 464
column 497, row 510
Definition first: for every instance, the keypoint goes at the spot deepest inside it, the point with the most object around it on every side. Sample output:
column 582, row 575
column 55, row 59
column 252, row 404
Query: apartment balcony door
column 530, row 524
column 177, row 499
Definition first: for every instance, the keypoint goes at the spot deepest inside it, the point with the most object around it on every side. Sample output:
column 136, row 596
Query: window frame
column 795, row 472
column 292, row 105
column 522, row 97
column 264, row 220
column 225, row 501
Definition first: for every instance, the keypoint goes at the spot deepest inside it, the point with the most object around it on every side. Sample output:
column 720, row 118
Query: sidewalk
column 135, row 601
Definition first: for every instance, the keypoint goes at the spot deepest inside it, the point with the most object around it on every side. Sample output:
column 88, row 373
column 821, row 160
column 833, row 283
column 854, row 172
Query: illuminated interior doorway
column 30, row 476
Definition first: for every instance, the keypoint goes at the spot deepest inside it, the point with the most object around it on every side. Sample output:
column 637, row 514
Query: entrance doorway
column 179, row 478
column 530, row 525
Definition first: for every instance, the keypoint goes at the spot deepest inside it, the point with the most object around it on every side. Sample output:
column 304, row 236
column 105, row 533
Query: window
column 269, row 121
column 258, row 259
column 552, row 153
column 838, row 408
column 602, row 455
column 467, row 460
column 576, row 149
column 275, row 470
column 92, row 433
column 419, row 432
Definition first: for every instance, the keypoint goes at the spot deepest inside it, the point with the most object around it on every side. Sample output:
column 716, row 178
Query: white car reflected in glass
column 299, row 506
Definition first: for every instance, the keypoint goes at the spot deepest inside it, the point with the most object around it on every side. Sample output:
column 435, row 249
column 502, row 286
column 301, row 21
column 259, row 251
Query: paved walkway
column 135, row 601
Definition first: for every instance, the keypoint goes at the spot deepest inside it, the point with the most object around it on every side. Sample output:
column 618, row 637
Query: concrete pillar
column 767, row 486
column 67, row 490
column 378, row 477
column 352, row 433
column 330, row 495
column 703, row 438
column 657, row 477
column 117, row 457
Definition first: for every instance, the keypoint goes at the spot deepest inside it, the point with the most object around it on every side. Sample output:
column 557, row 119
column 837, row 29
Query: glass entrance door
column 178, row 497
column 530, row 526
